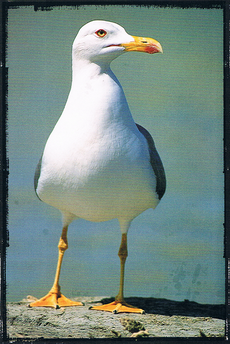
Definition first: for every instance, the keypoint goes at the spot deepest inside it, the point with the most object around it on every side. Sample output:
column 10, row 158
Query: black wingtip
column 37, row 176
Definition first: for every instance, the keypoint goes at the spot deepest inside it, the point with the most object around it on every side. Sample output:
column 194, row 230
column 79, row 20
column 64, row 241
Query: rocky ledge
column 163, row 318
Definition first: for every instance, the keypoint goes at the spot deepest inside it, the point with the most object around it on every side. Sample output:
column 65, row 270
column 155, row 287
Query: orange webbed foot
column 54, row 300
column 118, row 307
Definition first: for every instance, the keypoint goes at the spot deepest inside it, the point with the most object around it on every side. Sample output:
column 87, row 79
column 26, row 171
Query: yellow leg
column 54, row 298
column 119, row 305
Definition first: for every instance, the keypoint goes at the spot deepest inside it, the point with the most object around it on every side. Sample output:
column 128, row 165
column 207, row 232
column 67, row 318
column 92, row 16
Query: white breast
column 96, row 163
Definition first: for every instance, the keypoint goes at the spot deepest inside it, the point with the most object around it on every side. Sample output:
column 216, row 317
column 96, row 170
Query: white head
column 104, row 41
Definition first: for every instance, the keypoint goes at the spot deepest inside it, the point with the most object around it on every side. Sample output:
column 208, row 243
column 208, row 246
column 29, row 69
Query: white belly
column 98, row 179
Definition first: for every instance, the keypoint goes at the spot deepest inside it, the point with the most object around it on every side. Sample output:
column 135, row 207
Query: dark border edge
column 4, row 170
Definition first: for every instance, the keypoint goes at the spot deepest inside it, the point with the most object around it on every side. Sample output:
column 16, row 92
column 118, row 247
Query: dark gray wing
column 156, row 162
column 37, row 175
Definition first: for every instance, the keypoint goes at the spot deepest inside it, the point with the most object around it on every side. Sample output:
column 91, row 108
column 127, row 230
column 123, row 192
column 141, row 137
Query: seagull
column 98, row 164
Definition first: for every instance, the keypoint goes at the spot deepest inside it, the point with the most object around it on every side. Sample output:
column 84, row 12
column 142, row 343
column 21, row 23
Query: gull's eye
column 101, row 33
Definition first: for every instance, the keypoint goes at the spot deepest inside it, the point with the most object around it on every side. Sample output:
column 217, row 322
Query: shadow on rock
column 168, row 307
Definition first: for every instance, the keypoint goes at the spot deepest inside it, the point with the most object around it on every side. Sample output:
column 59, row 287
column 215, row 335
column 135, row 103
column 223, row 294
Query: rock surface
column 163, row 318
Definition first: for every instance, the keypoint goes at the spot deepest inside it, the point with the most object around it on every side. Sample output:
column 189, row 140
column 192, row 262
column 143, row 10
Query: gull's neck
column 82, row 68
column 95, row 80
column 96, row 106
column 96, row 96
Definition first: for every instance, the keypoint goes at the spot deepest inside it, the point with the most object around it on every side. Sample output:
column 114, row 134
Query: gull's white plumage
column 97, row 163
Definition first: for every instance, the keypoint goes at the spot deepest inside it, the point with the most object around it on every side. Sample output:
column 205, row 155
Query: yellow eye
column 101, row 33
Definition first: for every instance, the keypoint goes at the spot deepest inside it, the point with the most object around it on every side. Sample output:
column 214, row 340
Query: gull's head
column 104, row 41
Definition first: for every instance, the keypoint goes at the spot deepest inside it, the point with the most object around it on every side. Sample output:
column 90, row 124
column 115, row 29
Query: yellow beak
column 143, row 44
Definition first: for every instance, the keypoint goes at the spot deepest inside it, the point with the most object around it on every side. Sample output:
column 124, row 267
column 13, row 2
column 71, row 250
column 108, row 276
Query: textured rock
column 163, row 318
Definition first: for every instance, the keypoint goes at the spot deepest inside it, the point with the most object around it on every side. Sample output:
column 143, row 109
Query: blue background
column 175, row 251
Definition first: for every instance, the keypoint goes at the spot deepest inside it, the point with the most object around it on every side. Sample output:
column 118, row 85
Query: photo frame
column 176, row 266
